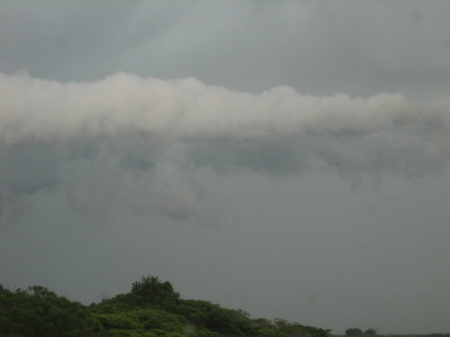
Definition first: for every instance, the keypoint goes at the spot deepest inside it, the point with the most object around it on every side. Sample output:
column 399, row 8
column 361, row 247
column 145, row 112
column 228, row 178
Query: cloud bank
column 69, row 135
column 188, row 109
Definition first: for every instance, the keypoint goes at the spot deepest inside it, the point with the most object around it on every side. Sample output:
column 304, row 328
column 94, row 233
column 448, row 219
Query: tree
column 40, row 312
column 353, row 332
column 370, row 332
column 262, row 323
column 152, row 290
column 151, row 309
column 299, row 330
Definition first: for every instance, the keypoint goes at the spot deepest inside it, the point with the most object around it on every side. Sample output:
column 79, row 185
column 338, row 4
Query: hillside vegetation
column 152, row 309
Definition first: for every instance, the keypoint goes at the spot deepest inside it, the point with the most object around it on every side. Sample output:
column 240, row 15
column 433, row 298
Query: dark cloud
column 126, row 132
column 27, row 168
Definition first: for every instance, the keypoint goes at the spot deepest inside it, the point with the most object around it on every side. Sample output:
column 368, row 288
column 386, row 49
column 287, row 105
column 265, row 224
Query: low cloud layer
column 378, row 129
column 141, row 139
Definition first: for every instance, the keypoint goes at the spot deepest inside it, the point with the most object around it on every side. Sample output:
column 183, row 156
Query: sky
column 287, row 158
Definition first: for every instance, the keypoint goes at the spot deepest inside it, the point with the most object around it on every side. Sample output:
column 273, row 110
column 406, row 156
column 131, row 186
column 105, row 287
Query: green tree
column 40, row 312
column 353, row 332
column 152, row 290
column 370, row 332
column 262, row 323
column 151, row 309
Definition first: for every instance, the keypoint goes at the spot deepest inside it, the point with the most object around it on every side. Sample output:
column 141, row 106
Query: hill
column 152, row 309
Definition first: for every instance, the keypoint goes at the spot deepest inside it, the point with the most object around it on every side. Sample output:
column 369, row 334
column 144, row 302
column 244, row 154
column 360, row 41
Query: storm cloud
column 132, row 128
column 280, row 120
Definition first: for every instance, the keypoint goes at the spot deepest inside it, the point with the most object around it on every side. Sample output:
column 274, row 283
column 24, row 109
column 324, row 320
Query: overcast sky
column 287, row 158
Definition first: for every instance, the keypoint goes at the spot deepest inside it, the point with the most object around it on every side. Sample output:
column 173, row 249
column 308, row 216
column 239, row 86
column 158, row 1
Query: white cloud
column 374, row 131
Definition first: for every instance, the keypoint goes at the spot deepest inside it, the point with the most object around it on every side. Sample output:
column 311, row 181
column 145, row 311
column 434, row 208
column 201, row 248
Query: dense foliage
column 40, row 312
column 152, row 309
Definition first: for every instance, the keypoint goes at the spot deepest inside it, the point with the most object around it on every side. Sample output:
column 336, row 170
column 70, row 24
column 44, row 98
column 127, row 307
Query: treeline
column 152, row 309
column 359, row 332
column 356, row 332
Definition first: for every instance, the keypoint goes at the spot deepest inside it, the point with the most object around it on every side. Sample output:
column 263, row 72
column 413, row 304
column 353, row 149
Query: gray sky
column 290, row 159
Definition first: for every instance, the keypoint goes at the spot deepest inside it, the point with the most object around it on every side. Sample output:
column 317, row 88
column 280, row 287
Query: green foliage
column 40, row 312
column 122, row 321
column 119, row 303
column 153, row 319
column 268, row 332
column 202, row 332
column 151, row 309
column 149, row 322
column 262, row 323
column 215, row 318
column 353, row 332
column 122, row 333
column 150, row 290
column 298, row 330
column 370, row 332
